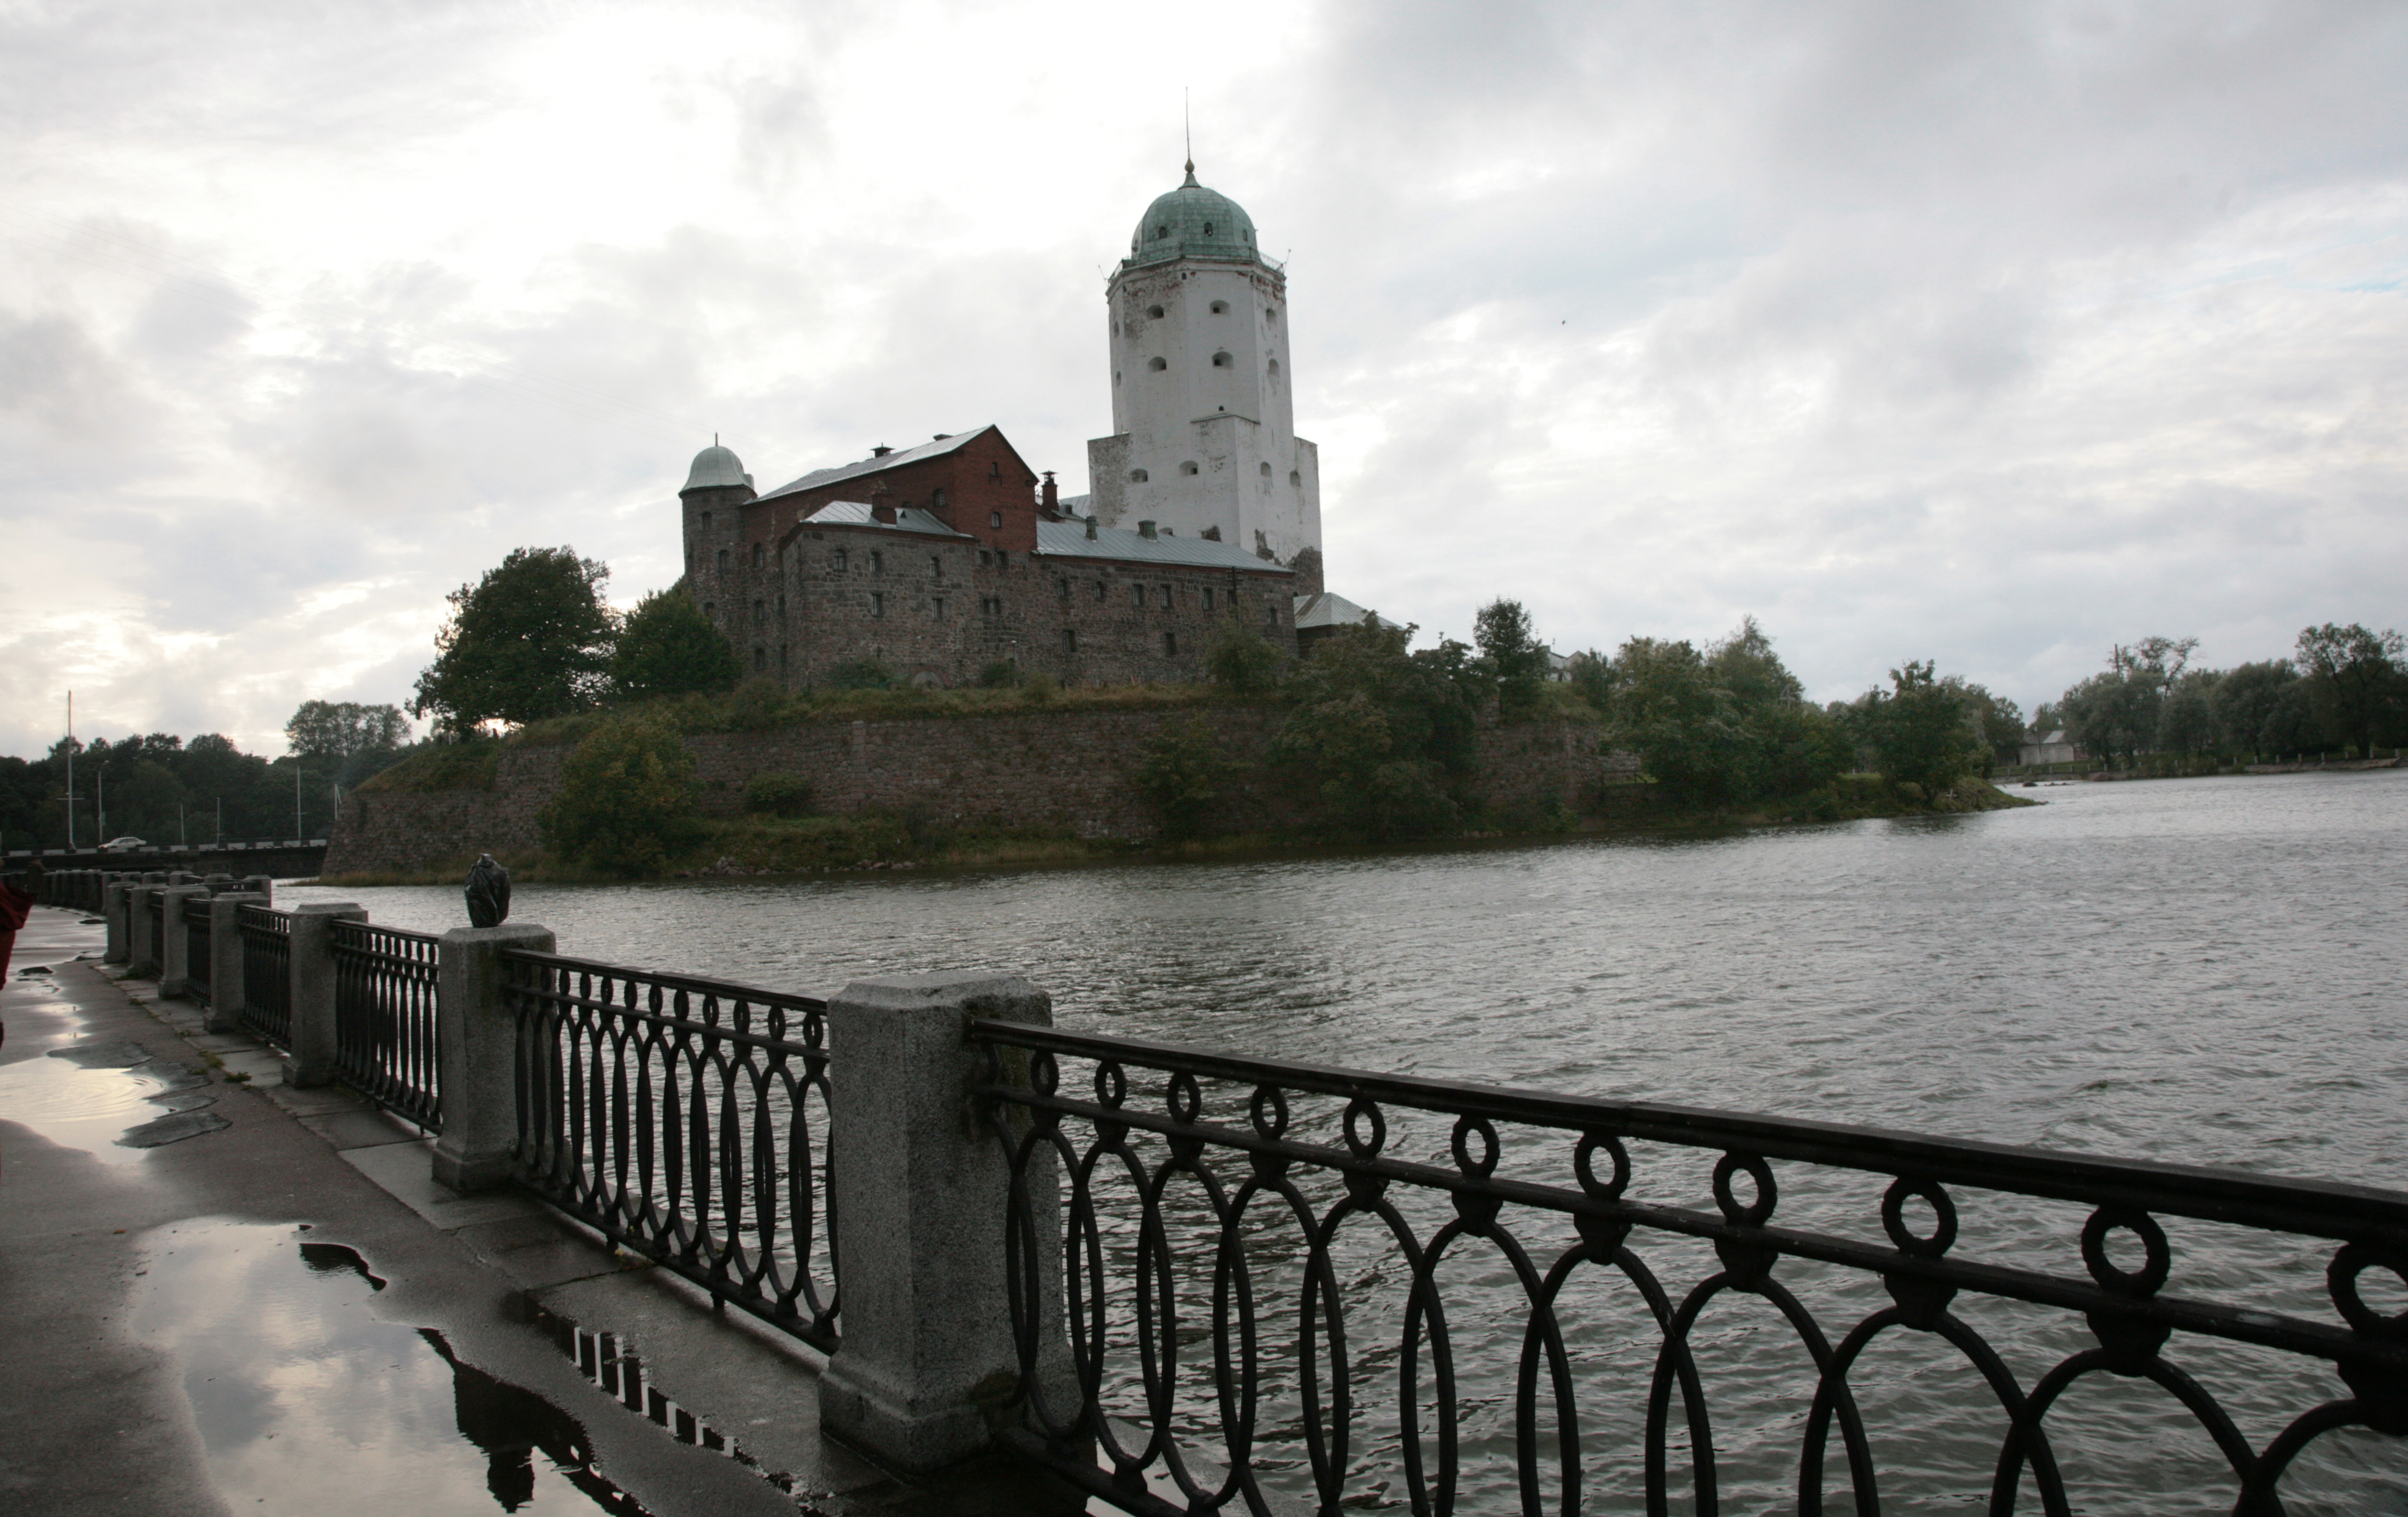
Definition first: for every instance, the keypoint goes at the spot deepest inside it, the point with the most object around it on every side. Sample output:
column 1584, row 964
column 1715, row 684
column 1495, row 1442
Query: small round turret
column 716, row 468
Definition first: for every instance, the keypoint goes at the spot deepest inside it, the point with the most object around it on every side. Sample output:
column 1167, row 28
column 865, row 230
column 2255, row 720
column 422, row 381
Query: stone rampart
column 1073, row 770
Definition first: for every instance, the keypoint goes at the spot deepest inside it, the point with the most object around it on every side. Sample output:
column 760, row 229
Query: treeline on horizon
column 166, row 789
column 2345, row 690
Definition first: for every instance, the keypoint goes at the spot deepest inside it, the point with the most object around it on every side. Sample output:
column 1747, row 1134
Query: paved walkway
column 99, row 1418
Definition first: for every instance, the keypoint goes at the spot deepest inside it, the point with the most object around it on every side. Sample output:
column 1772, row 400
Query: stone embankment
column 1070, row 771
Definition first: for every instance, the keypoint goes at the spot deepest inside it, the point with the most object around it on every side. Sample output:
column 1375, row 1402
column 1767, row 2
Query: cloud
column 1988, row 334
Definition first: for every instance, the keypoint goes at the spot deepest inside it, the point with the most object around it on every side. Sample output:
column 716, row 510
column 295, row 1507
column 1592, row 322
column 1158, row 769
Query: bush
column 626, row 799
column 861, row 674
column 667, row 647
column 778, row 794
column 1241, row 659
column 1000, row 675
column 1184, row 773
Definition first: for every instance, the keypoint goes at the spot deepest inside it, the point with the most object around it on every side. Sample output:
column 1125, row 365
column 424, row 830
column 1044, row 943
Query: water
column 2206, row 971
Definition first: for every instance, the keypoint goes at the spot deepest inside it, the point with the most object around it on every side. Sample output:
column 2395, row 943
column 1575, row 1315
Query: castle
column 944, row 561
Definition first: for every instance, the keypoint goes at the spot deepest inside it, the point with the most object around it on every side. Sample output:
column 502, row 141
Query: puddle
column 308, row 1402
column 606, row 1359
column 108, row 1098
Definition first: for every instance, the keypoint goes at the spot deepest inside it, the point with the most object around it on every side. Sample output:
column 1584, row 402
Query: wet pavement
column 219, row 1294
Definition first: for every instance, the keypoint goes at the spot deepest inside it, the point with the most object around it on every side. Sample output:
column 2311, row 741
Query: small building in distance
column 944, row 561
column 2050, row 748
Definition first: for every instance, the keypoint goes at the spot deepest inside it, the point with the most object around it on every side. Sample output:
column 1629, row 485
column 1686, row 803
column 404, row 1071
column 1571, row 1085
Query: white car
column 122, row 845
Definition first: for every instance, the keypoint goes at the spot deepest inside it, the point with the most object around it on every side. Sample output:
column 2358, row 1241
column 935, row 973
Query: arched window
column 1187, row 469
column 1274, row 368
column 756, row 555
column 1157, row 364
column 1208, row 229
column 722, row 561
column 1220, row 307
column 939, row 499
column 994, row 519
column 1294, row 478
column 1154, row 312
column 1222, row 359
column 1137, row 475
column 1265, row 470
column 1161, row 232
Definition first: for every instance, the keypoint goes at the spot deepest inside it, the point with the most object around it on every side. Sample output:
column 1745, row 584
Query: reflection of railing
column 267, row 973
column 384, row 1018
column 675, row 1115
column 196, row 946
column 1369, row 1290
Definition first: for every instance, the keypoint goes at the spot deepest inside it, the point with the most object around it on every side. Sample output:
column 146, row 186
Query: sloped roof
column 1070, row 539
column 1328, row 611
column 936, row 449
column 854, row 513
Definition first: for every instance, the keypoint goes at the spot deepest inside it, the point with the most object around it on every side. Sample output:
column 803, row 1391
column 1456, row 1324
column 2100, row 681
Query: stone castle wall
column 1072, row 770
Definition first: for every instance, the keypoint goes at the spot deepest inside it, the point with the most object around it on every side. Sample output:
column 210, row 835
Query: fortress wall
column 1071, row 770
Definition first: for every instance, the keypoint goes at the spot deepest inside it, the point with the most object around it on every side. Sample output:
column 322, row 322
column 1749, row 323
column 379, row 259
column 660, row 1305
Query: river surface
column 2209, row 971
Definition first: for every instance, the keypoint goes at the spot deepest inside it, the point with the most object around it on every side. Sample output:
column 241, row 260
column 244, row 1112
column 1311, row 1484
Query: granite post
column 313, row 1058
column 263, row 886
column 141, row 953
column 113, row 908
column 227, row 988
column 478, row 1037
column 927, row 1371
column 175, row 939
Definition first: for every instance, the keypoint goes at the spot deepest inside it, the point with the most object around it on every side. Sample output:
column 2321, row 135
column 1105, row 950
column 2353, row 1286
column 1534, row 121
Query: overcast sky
column 1988, row 334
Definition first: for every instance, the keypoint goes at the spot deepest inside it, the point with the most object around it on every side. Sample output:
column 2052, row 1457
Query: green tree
column 1241, row 659
column 531, row 639
column 1384, row 737
column 1512, row 656
column 339, row 729
column 667, row 647
column 2117, row 712
column 1918, row 731
column 1685, row 725
column 2354, row 678
column 2186, row 718
column 2243, row 703
column 626, row 799
column 1185, row 773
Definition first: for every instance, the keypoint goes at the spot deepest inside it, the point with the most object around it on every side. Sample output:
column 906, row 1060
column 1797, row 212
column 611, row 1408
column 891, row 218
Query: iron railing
column 385, row 1041
column 196, row 927
column 1288, row 1285
column 676, row 1116
column 157, row 910
column 267, row 973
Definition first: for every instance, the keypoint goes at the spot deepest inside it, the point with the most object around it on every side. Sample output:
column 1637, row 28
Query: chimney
column 880, row 450
column 881, row 506
column 1050, row 497
column 1145, row 529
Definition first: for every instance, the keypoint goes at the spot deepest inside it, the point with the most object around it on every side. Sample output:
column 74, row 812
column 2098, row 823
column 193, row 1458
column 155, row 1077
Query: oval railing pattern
column 385, row 1041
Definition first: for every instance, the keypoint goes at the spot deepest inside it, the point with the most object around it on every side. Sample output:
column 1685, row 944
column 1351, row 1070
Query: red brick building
column 942, row 560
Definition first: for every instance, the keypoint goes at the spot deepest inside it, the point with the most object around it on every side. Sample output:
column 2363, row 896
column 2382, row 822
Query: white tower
column 1204, row 435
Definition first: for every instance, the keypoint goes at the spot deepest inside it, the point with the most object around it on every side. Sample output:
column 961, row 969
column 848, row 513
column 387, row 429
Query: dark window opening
column 937, row 607
column 877, row 563
column 836, row 561
column 1154, row 312
column 709, row 609
column 1166, row 598
column 994, row 519
column 756, row 555
column 722, row 561
column 936, row 567
column 1099, row 589
column 1208, row 597
column 1222, row 359
column 1220, row 307
column 758, row 617
column 939, row 498
column 1137, row 596
column 991, row 605
column 985, row 558
column 706, row 520
column 995, row 470
column 1137, row 475
column 1157, row 364
column 1170, row 645
column 1069, row 639
column 760, row 660
column 1187, row 469
column 877, row 604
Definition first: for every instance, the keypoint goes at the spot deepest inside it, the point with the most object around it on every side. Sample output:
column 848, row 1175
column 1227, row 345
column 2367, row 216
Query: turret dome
column 716, row 467
column 1194, row 221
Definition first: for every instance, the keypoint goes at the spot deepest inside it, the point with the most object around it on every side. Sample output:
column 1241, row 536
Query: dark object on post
column 488, row 892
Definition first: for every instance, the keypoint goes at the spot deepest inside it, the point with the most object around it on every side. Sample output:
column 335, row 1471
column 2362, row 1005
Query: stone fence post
column 175, row 939
column 927, row 1370
column 228, row 995
column 263, row 886
column 112, row 908
column 477, row 1035
column 312, row 1059
column 141, row 953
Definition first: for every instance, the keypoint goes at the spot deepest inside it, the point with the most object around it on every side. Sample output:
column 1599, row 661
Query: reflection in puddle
column 608, row 1361
column 108, row 1098
column 306, row 1401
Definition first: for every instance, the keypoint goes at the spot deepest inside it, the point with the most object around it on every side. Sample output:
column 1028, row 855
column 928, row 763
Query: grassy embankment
column 916, row 839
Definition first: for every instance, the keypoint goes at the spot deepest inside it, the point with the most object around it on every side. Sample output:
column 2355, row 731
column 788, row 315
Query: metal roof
column 854, row 513
column 1328, row 611
column 937, row 449
column 1070, row 539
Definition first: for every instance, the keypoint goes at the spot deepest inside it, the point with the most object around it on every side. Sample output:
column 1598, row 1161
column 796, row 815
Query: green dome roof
column 715, row 466
column 1193, row 222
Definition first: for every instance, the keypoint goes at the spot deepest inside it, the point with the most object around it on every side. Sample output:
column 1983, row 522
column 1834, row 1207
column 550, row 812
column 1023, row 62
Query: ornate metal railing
column 158, row 914
column 1288, row 1285
column 384, row 1019
column 267, row 973
column 196, row 927
column 677, row 1116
